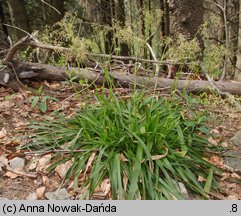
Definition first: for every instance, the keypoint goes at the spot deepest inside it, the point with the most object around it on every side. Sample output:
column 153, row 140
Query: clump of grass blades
column 145, row 145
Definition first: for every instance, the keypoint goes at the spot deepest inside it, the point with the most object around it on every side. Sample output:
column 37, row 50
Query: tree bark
column 187, row 16
column 122, row 19
column 107, row 9
column 140, row 8
column 238, row 62
column 3, row 21
column 165, row 22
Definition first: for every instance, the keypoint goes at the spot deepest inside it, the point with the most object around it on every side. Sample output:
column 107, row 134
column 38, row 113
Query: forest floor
column 16, row 113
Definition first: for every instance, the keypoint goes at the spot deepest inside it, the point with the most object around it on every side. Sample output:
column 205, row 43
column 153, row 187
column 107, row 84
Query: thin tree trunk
column 107, row 16
column 59, row 14
column 238, row 62
column 122, row 19
column 187, row 16
column 19, row 16
column 140, row 7
column 3, row 21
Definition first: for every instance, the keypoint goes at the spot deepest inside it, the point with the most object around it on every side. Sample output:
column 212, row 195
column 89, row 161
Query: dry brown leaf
column 6, row 104
column 157, row 157
column 105, row 186
column 62, row 169
column 225, row 176
column 33, row 164
column 212, row 141
column 43, row 162
column 90, row 161
column 3, row 160
column 123, row 158
column 40, row 192
column 3, row 133
column 201, row 179
column 125, row 181
column 216, row 160
column 236, row 176
column 11, row 175
column 232, row 197
column 2, row 151
column 214, row 131
column 45, row 180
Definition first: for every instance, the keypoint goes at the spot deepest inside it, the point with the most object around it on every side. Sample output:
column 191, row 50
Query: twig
column 51, row 6
column 131, row 58
column 56, row 151
column 154, row 57
column 12, row 51
column 15, row 27
column 22, row 173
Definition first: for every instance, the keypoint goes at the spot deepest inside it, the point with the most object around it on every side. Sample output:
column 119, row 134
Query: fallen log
column 34, row 71
column 14, row 71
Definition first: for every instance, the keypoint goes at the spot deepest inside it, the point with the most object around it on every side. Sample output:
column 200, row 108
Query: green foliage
column 213, row 59
column 65, row 33
column 41, row 102
column 181, row 49
column 145, row 145
column 214, row 52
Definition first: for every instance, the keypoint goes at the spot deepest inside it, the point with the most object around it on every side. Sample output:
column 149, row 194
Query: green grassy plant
column 145, row 145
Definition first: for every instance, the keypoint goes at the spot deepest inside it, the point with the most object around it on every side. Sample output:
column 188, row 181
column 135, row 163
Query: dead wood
column 35, row 71
column 22, row 71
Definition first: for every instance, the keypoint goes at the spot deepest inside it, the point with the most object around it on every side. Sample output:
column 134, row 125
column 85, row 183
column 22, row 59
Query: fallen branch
column 91, row 55
column 62, row 151
column 155, row 59
column 13, row 50
column 230, row 97
column 55, row 73
column 18, row 172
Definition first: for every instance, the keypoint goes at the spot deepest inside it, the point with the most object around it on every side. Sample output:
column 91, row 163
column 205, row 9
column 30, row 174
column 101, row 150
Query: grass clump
column 145, row 145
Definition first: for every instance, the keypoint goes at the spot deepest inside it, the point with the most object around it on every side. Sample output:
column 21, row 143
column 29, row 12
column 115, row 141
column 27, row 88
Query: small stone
column 236, row 139
column 183, row 190
column 17, row 163
column 233, row 160
column 61, row 194
column 32, row 196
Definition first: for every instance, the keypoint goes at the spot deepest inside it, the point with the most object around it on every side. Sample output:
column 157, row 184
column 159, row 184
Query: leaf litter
column 34, row 180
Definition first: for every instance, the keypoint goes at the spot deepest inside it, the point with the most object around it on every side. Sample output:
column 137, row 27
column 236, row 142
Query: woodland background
column 178, row 30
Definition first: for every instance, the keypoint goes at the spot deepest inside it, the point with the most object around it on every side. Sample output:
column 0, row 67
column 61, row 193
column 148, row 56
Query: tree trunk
column 238, row 62
column 19, row 16
column 140, row 7
column 187, row 17
column 59, row 6
column 107, row 8
column 3, row 21
column 165, row 22
column 122, row 19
